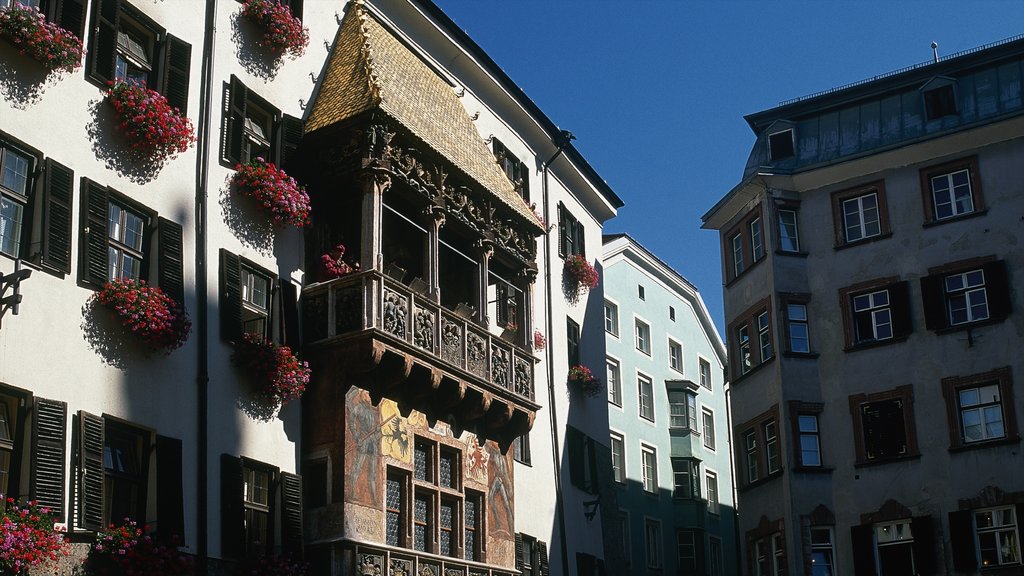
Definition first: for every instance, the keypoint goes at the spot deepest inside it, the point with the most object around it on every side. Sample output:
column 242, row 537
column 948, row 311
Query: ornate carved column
column 375, row 184
column 436, row 221
column 526, row 279
column 485, row 249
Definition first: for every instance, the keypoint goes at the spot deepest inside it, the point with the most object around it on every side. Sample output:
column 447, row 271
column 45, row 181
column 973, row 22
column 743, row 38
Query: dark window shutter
column 95, row 207
column 291, row 136
column 70, row 15
column 230, row 296
column 519, row 551
column 591, row 463
column 46, row 485
column 997, row 288
column 56, row 236
column 170, row 501
column 933, row 295
column 102, row 47
column 863, row 550
column 921, row 527
column 235, row 96
column 174, row 76
column 542, row 558
column 698, row 541
column 579, row 242
column 170, row 259
column 563, row 234
column 961, row 540
column 232, row 509
column 524, row 176
column 574, row 446
column 296, row 6
column 291, row 514
column 901, row 317
column 289, row 316
column 90, row 471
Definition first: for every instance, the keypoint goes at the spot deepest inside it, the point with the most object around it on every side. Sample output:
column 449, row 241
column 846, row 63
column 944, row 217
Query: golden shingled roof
column 370, row 68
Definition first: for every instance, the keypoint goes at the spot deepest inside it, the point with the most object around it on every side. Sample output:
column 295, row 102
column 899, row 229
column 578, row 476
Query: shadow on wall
column 22, row 79
column 113, row 149
column 255, row 59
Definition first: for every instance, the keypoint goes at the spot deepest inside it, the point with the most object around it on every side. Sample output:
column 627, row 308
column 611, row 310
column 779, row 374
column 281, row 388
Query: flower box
column 146, row 311
column 126, row 550
column 539, row 341
column 581, row 379
column 53, row 46
column 155, row 131
column 278, row 375
column 282, row 32
column 274, row 191
column 29, row 538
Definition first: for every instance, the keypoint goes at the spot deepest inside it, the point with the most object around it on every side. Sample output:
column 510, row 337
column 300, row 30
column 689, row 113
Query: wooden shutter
column 230, row 296
column 235, row 95
column 524, row 175
column 863, row 550
column 170, row 259
column 232, row 508
column 997, row 288
column 699, row 556
column 574, row 447
column 591, row 464
column 579, row 240
column 70, row 15
column 90, row 471
column 542, row 558
column 95, row 255
column 102, row 48
column 899, row 295
column 56, row 235
column 296, row 6
column 170, row 501
column 289, row 315
column 933, row 296
column 49, row 425
column 290, row 136
column 291, row 514
column 563, row 234
column 921, row 527
column 175, row 72
column 961, row 541
column 519, row 551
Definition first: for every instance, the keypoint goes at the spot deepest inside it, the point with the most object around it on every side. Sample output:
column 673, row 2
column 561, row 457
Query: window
column 256, row 498
column 860, row 213
column 751, row 456
column 705, row 373
column 472, row 526
column 570, row 234
column 964, row 293
column 256, row 483
column 396, row 509
column 643, row 337
column 125, row 466
column 582, row 455
column 951, row 190
column 645, row 391
column 939, row 101
column 716, row 558
column 754, row 321
column 768, row 552
column 627, row 548
column 789, row 232
column 640, row 292
column 997, row 536
column 780, row 145
column 745, row 244
column 796, row 322
column 572, row 341
column 810, row 442
column 876, row 312
column 771, row 446
column 709, row 428
column 671, row 313
column 711, row 481
column 253, row 299
column 618, row 457
column 124, row 46
column 515, row 170
column 614, row 382
column 252, row 128
column 611, row 318
column 652, row 539
column 981, row 408
column 32, row 453
column 895, row 541
column 675, row 356
column 521, row 449
column 758, row 452
column 15, row 177
column 126, row 229
column 682, row 406
column 822, row 558
column 531, row 555
column 686, row 547
column 884, row 425
column 649, row 463
column 685, row 477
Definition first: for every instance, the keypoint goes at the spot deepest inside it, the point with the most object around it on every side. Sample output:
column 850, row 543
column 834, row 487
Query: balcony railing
column 385, row 560
column 371, row 301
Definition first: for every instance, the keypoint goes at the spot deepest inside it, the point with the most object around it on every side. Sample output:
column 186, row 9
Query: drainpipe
column 561, row 141
column 202, row 315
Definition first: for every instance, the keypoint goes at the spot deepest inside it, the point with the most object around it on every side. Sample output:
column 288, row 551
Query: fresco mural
column 362, row 449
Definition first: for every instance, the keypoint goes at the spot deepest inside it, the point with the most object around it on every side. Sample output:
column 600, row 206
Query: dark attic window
column 780, row 145
column 940, row 102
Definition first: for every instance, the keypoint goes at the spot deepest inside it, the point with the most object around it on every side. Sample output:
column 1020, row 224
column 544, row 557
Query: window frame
column 979, row 531
column 643, row 382
column 618, row 460
column 675, row 355
column 787, row 153
column 571, row 234
column 521, row 449
column 929, row 173
column 688, row 422
column 797, row 411
column 936, row 297
column 782, row 229
column 739, row 246
column 686, row 550
column 23, row 199
column 751, row 451
column 653, row 543
column 704, row 372
column 787, row 303
column 685, row 478
column 514, row 169
column 572, row 342
column 642, row 335
column 858, row 402
column 748, row 321
column 611, row 322
column 711, row 491
column 841, row 197
column 613, row 373
column 649, row 470
column 899, row 307
column 951, row 388
column 708, row 432
column 282, row 131
column 250, row 468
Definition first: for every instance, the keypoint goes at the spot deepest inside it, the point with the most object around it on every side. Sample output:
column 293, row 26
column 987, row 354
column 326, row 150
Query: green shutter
column 230, row 296
column 94, row 249
column 174, row 76
column 235, row 95
column 291, row 514
column 46, row 484
column 170, row 507
column 90, row 471
column 102, row 47
column 57, row 199
column 232, row 508
column 170, row 259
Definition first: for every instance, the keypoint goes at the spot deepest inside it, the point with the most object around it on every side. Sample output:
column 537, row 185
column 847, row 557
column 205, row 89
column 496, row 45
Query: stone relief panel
column 523, row 379
column 396, row 310
column 451, row 342
column 348, row 309
column 500, row 363
column 476, row 354
column 423, row 330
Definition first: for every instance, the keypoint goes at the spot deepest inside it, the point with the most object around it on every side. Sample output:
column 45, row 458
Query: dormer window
column 780, row 145
column 939, row 98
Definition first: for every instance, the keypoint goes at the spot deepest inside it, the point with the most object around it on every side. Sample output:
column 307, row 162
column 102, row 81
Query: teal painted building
column 668, row 418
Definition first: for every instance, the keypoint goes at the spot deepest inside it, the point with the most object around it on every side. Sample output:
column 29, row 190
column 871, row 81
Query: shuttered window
column 253, row 495
column 49, row 432
column 252, row 128
column 570, row 234
column 254, row 300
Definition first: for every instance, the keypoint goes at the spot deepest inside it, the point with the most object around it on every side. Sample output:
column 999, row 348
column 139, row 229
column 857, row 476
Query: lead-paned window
column 396, row 509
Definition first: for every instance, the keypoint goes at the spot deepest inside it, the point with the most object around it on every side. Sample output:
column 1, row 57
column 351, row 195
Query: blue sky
column 656, row 90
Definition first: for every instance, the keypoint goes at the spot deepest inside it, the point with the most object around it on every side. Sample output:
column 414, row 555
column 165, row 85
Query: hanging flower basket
column 274, row 190
column 53, row 46
column 282, row 32
column 126, row 550
column 582, row 380
column 279, row 376
column 581, row 272
column 28, row 538
column 539, row 341
column 334, row 265
column 271, row 566
column 146, row 311
column 155, row 131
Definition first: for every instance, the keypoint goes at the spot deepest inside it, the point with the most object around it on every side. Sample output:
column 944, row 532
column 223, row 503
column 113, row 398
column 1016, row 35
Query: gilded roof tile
column 370, row 68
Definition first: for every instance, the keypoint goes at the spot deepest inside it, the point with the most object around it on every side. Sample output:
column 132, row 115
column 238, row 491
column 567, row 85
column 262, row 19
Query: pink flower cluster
column 125, row 550
column 271, row 566
column 274, row 190
column 581, row 377
column 280, row 376
column 581, row 272
column 334, row 265
column 154, row 129
column 282, row 32
column 53, row 46
column 539, row 341
column 147, row 312
column 28, row 537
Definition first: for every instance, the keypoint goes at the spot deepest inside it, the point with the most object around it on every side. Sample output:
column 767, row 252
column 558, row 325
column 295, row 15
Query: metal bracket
column 12, row 282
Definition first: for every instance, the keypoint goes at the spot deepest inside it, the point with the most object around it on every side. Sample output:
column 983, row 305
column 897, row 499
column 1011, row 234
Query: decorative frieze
column 500, row 364
column 395, row 311
column 476, row 353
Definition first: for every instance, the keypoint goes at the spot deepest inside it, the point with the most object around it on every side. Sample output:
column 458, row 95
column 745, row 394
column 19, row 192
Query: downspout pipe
column 202, row 314
column 561, row 141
